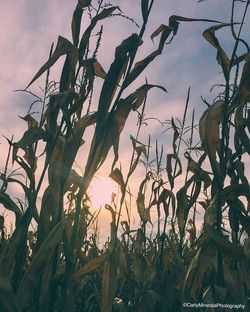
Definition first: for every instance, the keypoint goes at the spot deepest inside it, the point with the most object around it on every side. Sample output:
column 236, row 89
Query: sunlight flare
column 101, row 190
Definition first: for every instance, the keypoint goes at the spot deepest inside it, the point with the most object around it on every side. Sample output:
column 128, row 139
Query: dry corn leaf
column 32, row 122
column 235, row 285
column 218, row 238
column 84, row 3
column 114, row 75
column 85, row 121
column 134, row 165
column 107, row 12
column 241, row 124
column 30, row 136
column 63, row 47
column 197, row 269
column 117, row 176
column 244, row 85
column 76, row 22
column 68, row 71
column 175, row 136
column 28, row 171
column 175, row 19
column 29, row 282
column 90, row 266
column 159, row 30
column 99, row 71
column 123, row 262
column 115, row 124
column 9, row 204
column 139, row 68
column 139, row 147
column 172, row 174
column 104, row 139
column 110, row 281
column 165, row 32
column 136, row 99
column 144, row 212
column 209, row 127
column 166, row 198
column 186, row 202
column 222, row 58
column 139, row 268
column 8, row 302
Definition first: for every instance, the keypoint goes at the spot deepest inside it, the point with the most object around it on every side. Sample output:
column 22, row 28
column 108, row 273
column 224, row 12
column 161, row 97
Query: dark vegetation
column 59, row 265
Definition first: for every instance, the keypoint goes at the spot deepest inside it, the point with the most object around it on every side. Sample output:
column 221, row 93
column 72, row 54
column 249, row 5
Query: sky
column 29, row 27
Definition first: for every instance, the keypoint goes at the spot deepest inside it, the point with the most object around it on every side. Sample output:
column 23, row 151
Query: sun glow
column 101, row 190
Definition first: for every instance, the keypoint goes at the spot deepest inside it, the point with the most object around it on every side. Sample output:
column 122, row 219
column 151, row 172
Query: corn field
column 194, row 248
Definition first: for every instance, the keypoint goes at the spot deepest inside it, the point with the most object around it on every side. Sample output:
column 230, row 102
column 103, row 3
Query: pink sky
column 29, row 27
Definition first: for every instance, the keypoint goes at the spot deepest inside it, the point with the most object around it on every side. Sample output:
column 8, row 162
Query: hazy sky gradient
column 29, row 27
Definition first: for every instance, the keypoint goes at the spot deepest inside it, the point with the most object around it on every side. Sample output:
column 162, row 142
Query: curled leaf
column 32, row 122
column 222, row 58
column 117, row 176
column 209, row 126
column 99, row 71
column 90, row 266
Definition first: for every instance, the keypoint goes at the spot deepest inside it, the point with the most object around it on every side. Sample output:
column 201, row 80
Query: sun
column 101, row 189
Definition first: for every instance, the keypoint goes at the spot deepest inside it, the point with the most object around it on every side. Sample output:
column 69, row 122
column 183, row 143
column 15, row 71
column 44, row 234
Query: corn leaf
column 30, row 281
column 171, row 173
column 63, row 47
column 222, row 58
column 99, row 71
column 8, row 302
column 114, row 75
column 144, row 10
column 110, row 281
column 32, row 122
column 197, row 269
column 90, row 266
column 76, row 20
column 107, row 12
column 68, row 72
column 209, row 133
column 9, row 204
column 221, row 241
column 117, row 176
column 136, row 99
column 84, row 3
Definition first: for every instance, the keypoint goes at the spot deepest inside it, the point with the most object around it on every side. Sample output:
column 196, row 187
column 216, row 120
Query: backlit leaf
column 209, row 126
column 76, row 24
column 99, row 71
column 222, row 58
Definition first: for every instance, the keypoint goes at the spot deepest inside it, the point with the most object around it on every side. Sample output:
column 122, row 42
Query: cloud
column 29, row 28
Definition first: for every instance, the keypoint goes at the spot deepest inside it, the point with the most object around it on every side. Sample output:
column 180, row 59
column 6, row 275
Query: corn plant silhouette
column 59, row 265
